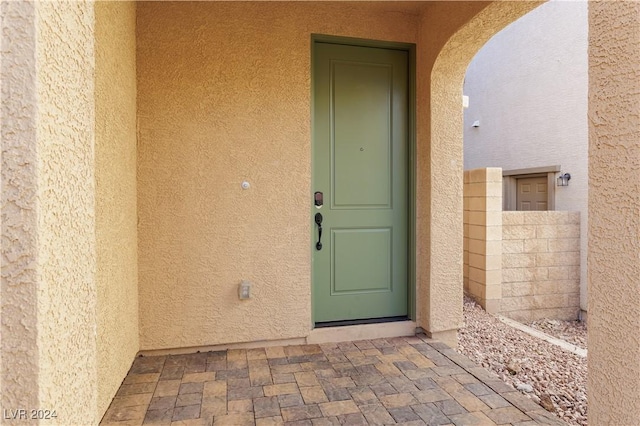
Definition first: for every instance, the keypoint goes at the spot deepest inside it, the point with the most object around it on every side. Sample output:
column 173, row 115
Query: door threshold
column 347, row 333
column 360, row 321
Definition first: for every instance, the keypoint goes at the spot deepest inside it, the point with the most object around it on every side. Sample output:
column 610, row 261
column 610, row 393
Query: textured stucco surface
column 65, row 209
column 47, row 203
column 18, row 292
column 224, row 96
column 614, row 213
column 48, row 247
column 440, row 206
column 528, row 88
column 221, row 101
column 116, row 214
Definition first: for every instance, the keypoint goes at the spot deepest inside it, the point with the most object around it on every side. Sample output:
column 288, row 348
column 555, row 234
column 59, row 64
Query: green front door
column 360, row 165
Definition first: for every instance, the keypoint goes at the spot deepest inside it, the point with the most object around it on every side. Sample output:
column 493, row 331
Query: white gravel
column 550, row 376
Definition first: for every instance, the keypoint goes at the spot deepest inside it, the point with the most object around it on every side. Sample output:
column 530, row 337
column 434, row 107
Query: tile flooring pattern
column 412, row 381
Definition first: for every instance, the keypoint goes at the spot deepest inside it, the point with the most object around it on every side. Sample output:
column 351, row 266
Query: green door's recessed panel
column 360, row 164
column 361, row 260
column 361, row 140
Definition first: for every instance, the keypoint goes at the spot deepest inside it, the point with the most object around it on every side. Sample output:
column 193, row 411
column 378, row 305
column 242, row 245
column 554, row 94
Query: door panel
column 360, row 163
column 532, row 194
column 361, row 260
column 362, row 152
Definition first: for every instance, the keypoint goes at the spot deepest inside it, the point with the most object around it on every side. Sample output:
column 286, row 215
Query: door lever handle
column 318, row 219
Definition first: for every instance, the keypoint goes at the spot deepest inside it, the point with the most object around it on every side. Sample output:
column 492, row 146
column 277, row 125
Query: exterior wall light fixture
column 563, row 179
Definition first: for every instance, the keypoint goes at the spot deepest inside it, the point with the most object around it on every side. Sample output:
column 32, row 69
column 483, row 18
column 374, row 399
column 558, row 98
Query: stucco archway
column 613, row 201
column 441, row 264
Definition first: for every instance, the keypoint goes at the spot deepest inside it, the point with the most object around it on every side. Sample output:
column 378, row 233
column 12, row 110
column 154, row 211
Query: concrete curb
column 566, row 346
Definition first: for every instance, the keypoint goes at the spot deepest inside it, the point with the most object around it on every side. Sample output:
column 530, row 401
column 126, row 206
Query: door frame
column 410, row 48
column 510, row 185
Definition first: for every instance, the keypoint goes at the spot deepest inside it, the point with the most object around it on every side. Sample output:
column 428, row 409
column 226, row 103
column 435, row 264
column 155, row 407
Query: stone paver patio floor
column 409, row 380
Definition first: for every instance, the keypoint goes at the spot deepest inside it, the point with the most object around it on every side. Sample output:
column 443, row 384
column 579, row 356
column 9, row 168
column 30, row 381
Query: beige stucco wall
column 614, row 213
column 116, row 213
column 221, row 100
column 53, row 222
column 48, row 205
column 48, row 244
column 439, row 185
column 528, row 88
column 48, row 229
column 440, row 191
column 66, row 210
column 18, row 294
column 224, row 96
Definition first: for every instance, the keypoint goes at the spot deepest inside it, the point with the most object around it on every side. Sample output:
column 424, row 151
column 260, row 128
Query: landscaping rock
column 558, row 379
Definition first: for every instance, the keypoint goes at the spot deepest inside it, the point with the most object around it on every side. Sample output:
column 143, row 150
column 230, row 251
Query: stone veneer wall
column 483, row 236
column 540, row 265
column 524, row 265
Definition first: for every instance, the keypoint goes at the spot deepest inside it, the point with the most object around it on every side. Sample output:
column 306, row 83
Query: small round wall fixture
column 563, row 179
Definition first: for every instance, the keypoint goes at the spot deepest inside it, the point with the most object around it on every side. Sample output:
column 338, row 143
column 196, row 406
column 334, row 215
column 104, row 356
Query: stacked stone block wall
column 524, row 265
column 540, row 265
column 482, row 236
